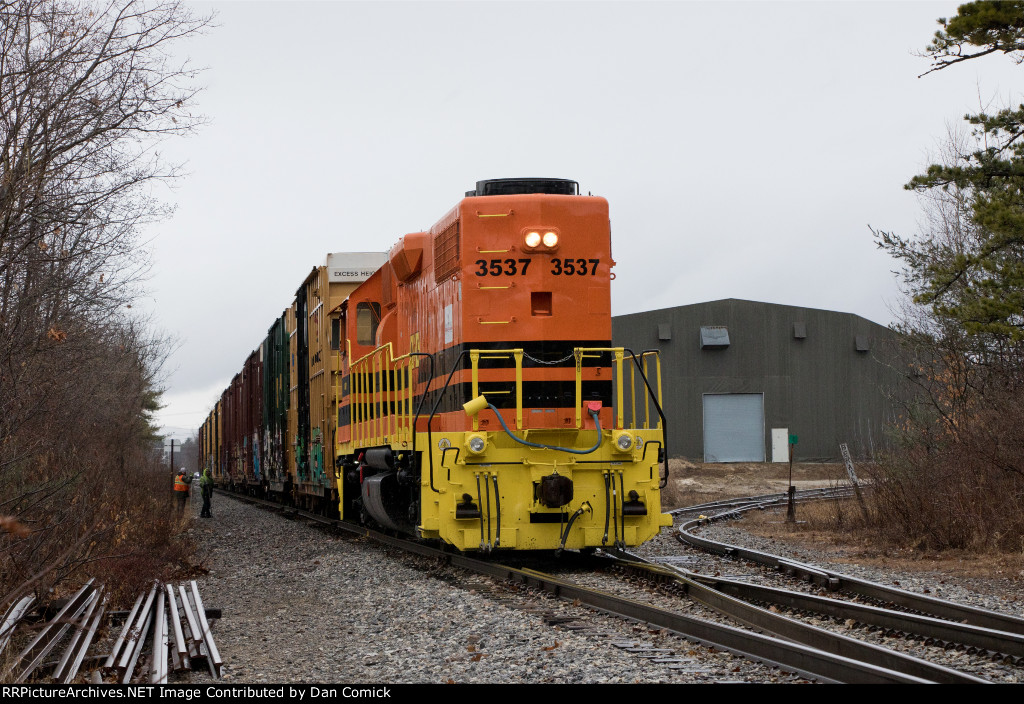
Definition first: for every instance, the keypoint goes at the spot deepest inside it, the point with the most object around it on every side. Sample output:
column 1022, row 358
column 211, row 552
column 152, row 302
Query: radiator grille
column 446, row 252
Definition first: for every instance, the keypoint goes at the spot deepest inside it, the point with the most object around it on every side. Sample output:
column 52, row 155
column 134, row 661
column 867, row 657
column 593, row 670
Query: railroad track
column 765, row 501
column 836, row 581
column 774, row 640
column 756, row 606
column 894, row 612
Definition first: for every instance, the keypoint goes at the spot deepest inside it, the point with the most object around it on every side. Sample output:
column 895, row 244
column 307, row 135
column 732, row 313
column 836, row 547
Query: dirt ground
column 692, row 483
column 828, row 528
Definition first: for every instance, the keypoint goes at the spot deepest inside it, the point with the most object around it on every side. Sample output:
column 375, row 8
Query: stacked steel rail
column 80, row 617
column 178, row 629
column 172, row 621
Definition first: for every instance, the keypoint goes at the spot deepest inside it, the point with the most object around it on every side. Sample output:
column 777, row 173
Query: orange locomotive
column 461, row 387
column 479, row 399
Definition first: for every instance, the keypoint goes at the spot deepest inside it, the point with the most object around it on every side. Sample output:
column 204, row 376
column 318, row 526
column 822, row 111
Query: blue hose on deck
column 597, row 424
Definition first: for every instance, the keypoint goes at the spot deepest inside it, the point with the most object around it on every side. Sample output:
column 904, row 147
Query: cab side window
column 335, row 333
column 367, row 319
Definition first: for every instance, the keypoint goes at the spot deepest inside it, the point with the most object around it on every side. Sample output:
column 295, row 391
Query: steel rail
column 76, row 664
column 11, row 619
column 136, row 650
column 81, row 628
column 180, row 650
column 767, row 500
column 823, row 639
column 983, row 639
column 811, row 662
column 941, row 630
column 805, row 659
column 194, row 637
column 126, row 629
column 51, row 634
column 213, row 659
column 158, row 647
column 833, row 581
column 137, row 634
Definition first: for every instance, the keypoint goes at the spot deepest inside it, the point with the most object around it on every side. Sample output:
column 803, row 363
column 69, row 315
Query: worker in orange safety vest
column 181, row 487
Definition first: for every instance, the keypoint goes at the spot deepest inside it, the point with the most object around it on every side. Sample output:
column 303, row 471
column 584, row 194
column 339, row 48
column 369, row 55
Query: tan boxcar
column 313, row 411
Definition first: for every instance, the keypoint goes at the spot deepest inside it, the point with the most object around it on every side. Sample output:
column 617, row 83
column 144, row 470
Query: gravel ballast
column 302, row 604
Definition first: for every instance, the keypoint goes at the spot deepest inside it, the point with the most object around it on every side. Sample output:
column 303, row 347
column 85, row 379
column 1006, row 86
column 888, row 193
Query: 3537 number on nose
column 559, row 267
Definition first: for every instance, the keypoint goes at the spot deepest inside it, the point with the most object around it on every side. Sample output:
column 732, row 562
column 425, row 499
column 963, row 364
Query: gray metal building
column 739, row 377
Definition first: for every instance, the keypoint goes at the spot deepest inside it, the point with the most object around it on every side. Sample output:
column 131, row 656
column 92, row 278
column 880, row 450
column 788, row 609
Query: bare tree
column 87, row 93
column 189, row 454
column 956, row 476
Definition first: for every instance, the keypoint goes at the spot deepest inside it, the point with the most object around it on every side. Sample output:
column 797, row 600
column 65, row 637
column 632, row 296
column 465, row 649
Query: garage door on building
column 734, row 427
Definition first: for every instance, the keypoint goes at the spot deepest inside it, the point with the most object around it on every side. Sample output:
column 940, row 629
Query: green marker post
column 791, row 510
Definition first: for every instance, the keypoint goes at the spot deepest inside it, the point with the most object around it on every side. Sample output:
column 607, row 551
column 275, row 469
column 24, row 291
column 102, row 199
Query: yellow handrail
column 474, row 359
column 382, row 391
column 632, row 388
column 657, row 369
column 618, row 356
column 383, row 388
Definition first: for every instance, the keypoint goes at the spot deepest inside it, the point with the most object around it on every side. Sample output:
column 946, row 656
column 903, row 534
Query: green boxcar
column 275, row 403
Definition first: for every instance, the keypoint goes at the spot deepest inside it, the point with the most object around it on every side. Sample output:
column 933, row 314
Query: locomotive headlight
column 476, row 444
column 541, row 238
column 623, row 442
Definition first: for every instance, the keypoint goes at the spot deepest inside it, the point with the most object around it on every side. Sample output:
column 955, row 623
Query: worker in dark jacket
column 181, row 487
column 206, row 489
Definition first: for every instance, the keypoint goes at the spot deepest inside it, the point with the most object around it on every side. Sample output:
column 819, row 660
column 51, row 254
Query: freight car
column 461, row 387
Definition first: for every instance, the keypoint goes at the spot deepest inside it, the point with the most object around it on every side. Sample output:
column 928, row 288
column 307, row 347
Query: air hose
column 593, row 414
column 565, row 535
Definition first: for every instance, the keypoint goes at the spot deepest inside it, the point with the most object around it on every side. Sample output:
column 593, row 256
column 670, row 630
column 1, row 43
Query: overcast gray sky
column 744, row 148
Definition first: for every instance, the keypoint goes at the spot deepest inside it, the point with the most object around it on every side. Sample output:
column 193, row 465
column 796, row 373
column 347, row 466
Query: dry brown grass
column 119, row 526
column 951, row 498
column 151, row 542
column 695, row 483
column 837, row 531
column 943, row 502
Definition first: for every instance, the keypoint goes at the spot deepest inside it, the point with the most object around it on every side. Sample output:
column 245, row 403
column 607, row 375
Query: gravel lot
column 301, row 604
